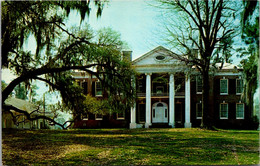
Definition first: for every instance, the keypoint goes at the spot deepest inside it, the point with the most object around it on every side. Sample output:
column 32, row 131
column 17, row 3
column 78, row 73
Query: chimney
column 127, row 55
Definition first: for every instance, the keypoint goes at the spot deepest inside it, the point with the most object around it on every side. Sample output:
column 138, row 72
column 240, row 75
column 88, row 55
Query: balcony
column 143, row 94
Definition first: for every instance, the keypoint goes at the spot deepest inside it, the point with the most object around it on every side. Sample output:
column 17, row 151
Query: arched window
column 159, row 105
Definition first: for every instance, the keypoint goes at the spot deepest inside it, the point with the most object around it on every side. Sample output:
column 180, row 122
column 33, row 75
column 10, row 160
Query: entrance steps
column 160, row 125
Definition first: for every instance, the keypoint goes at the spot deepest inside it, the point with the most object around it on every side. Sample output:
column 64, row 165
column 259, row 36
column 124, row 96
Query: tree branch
column 28, row 115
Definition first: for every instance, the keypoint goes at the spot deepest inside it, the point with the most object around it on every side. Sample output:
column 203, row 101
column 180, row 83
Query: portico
column 162, row 80
column 152, row 115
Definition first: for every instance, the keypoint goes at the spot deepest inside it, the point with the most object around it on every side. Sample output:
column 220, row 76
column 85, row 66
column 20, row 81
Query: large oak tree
column 60, row 50
column 204, row 26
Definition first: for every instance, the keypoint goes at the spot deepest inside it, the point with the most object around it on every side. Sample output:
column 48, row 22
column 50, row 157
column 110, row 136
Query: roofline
column 149, row 53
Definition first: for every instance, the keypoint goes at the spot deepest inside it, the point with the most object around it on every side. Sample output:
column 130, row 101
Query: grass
column 130, row 147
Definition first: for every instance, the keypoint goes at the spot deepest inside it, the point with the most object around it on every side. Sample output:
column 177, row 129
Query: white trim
column 228, row 74
column 220, row 86
column 220, row 111
column 160, row 60
column 243, row 111
column 159, row 48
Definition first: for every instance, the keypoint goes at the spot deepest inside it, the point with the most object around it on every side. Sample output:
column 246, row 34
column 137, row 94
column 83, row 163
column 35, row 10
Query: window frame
column 243, row 111
column 85, row 117
column 220, row 111
column 98, row 118
column 120, row 118
column 197, row 77
column 237, row 86
column 197, row 117
column 220, row 86
column 96, row 89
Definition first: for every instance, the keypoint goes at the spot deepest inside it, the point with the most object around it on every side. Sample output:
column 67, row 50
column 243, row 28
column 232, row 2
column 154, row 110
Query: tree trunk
column 207, row 120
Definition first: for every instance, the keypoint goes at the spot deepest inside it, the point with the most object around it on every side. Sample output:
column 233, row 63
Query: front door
column 160, row 113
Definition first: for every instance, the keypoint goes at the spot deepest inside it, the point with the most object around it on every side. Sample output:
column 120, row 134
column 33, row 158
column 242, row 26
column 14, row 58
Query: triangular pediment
column 158, row 60
column 157, row 56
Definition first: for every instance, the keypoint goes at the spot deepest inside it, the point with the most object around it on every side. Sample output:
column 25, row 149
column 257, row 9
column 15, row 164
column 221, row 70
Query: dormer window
column 160, row 57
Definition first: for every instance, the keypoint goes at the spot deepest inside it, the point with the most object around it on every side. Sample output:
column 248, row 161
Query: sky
column 137, row 21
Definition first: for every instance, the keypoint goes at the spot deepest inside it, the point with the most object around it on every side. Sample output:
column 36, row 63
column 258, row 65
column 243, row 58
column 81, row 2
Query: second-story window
column 198, row 84
column 224, row 86
column 239, row 86
column 98, row 89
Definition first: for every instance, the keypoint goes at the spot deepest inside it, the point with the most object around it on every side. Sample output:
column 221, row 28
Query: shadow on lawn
column 124, row 146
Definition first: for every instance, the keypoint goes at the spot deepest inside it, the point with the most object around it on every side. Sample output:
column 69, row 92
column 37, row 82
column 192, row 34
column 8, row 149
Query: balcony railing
column 160, row 94
column 142, row 94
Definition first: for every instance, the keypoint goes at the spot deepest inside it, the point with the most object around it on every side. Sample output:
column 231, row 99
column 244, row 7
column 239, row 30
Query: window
column 239, row 86
column 85, row 87
column 223, row 86
column 121, row 115
column 223, row 111
column 98, row 89
column 240, row 111
column 141, row 113
column 159, row 89
column 160, row 57
column 85, row 117
column 159, row 86
column 99, row 117
column 198, row 85
column 153, row 113
column 165, row 113
column 198, row 111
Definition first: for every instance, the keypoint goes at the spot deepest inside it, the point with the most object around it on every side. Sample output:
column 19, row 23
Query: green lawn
column 130, row 147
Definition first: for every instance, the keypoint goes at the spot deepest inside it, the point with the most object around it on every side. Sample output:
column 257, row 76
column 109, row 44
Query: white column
column 133, row 117
column 172, row 105
column 133, row 110
column 148, row 100
column 187, row 123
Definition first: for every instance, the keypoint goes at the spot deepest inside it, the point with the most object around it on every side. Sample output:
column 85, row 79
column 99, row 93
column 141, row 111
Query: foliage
column 130, row 147
column 3, row 85
column 38, row 18
column 250, row 54
column 21, row 92
column 59, row 51
column 202, row 33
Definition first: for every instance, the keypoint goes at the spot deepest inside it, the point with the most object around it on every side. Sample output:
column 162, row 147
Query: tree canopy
column 202, row 32
column 60, row 50
column 250, row 53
